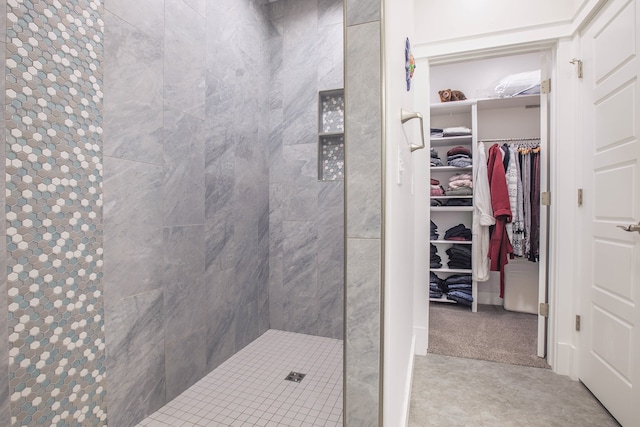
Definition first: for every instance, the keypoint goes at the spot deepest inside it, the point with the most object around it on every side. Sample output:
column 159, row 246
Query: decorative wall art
column 409, row 63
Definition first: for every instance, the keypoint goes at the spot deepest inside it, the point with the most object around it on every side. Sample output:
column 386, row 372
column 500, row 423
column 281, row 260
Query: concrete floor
column 449, row 392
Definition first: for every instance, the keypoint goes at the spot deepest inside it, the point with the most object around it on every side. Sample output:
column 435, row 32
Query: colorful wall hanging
column 409, row 63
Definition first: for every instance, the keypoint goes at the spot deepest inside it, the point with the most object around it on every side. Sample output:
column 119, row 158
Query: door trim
column 550, row 346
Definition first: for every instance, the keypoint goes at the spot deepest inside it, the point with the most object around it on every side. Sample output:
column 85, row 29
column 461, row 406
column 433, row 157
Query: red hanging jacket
column 499, row 247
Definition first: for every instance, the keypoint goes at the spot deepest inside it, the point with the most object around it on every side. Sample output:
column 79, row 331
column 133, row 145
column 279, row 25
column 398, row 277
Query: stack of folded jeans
column 458, row 288
column 459, row 156
column 459, row 257
column 435, row 286
column 434, row 231
column 459, row 232
column 459, row 202
column 436, row 261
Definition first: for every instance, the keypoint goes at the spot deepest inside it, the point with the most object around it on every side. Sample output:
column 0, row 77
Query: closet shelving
column 487, row 118
column 452, row 114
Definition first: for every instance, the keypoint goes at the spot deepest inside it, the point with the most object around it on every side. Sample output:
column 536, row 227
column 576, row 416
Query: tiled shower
column 163, row 208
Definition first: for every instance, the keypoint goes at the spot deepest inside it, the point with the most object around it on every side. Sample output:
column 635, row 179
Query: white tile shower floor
column 249, row 389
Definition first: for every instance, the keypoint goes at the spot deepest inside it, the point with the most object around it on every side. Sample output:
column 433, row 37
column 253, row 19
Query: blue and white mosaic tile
column 333, row 113
column 54, row 212
column 332, row 155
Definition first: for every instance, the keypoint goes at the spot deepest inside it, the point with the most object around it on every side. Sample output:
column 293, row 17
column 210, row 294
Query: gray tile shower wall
column 133, row 116
column 186, row 193
column 364, row 173
column 184, row 62
column 306, row 233
column 237, row 168
column 135, row 357
column 134, row 172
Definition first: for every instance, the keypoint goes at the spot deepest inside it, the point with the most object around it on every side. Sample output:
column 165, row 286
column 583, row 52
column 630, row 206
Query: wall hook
column 405, row 116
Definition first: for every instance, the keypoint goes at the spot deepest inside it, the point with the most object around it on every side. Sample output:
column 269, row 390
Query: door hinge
column 579, row 62
column 545, row 86
column 577, row 322
column 579, row 196
column 544, row 309
column 545, row 198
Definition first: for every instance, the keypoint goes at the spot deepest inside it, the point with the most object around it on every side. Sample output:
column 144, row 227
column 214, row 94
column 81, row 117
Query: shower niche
column 331, row 135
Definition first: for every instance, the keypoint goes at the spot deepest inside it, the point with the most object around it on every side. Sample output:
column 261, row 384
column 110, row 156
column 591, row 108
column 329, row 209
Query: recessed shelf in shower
column 331, row 135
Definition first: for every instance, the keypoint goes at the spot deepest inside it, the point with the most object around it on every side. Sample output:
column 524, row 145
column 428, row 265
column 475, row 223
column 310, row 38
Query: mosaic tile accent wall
column 54, row 212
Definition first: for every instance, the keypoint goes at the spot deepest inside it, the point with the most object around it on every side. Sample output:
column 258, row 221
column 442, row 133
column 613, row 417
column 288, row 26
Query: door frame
column 422, row 104
column 565, row 178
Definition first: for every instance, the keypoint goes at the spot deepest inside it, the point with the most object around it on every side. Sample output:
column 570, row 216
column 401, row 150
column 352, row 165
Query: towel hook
column 405, row 116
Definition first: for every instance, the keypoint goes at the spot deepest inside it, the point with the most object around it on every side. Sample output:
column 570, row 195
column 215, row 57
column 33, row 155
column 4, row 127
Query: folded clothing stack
column 434, row 231
column 456, row 131
column 435, row 286
column 437, row 132
column 435, row 158
column 436, row 261
column 458, row 232
column 460, row 185
column 459, row 156
column 459, row 257
column 458, row 288
column 436, row 188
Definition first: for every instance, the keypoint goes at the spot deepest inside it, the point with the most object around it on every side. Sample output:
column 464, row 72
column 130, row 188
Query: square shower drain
column 296, row 377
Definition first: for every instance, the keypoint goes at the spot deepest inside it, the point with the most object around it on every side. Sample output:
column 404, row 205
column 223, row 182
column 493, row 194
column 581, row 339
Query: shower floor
column 250, row 388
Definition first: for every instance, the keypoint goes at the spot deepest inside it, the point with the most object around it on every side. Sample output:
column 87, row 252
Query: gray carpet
column 492, row 334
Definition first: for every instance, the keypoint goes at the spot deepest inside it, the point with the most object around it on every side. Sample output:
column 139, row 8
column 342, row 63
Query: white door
column 610, row 335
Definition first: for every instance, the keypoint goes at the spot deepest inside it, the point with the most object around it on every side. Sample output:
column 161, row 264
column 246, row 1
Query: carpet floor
column 492, row 334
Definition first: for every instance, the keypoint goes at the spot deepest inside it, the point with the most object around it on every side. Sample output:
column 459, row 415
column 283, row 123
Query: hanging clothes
column 482, row 218
column 527, row 242
column 499, row 247
column 534, row 246
column 517, row 240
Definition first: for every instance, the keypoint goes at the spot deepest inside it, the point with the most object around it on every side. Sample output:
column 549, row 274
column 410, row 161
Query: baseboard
column 420, row 340
column 489, row 298
column 565, row 361
column 408, row 384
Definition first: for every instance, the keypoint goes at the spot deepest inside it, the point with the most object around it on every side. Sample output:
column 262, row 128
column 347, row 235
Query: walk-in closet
column 488, row 216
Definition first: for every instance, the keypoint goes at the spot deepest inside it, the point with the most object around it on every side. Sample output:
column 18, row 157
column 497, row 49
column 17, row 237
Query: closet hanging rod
column 537, row 138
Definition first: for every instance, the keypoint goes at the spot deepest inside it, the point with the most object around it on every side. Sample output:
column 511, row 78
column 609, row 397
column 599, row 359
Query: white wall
column 399, row 218
column 458, row 27
column 438, row 20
